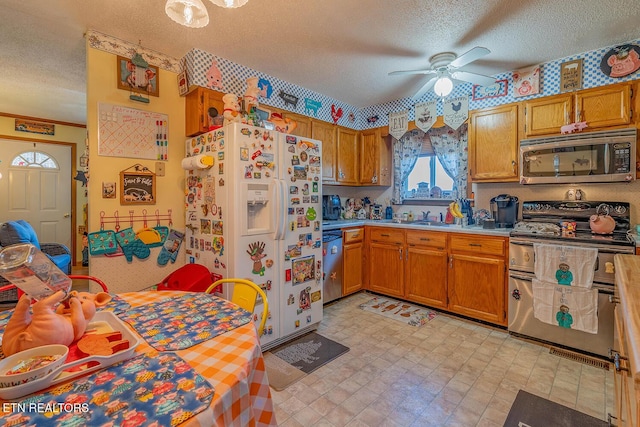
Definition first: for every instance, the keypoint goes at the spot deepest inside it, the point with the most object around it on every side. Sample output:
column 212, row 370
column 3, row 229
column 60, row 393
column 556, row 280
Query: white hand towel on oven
column 566, row 306
column 565, row 265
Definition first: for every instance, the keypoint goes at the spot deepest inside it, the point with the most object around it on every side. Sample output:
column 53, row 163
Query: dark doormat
column 533, row 411
column 309, row 352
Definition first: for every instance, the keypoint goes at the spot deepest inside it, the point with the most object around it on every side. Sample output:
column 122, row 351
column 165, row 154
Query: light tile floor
column 449, row 372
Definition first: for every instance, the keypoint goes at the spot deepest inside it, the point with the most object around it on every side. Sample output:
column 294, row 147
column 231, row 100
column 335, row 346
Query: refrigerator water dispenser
column 258, row 215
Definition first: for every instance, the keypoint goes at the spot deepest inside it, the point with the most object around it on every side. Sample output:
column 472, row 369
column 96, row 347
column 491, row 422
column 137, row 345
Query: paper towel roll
column 201, row 161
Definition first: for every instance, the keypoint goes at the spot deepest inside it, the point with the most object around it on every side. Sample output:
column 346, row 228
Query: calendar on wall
column 127, row 132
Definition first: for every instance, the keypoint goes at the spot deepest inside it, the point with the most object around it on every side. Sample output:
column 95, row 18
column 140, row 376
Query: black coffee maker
column 331, row 207
column 504, row 209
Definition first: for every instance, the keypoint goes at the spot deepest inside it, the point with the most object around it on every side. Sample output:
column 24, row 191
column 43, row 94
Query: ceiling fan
column 445, row 68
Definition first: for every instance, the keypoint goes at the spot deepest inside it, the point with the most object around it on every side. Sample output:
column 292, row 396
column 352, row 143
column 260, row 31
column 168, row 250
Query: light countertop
column 449, row 228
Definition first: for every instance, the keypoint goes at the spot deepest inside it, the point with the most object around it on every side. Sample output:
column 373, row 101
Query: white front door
column 38, row 195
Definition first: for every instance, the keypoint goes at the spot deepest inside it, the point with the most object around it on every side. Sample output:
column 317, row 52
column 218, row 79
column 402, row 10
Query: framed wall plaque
column 138, row 76
column 137, row 186
column 571, row 75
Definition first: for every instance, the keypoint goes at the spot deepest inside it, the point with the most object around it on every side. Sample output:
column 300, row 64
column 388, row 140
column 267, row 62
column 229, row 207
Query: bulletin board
column 127, row 132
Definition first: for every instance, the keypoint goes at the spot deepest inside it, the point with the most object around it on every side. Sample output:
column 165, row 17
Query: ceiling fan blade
column 470, row 56
column 476, row 79
column 424, row 89
column 398, row 73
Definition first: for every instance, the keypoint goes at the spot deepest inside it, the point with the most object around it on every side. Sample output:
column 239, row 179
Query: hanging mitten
column 171, row 247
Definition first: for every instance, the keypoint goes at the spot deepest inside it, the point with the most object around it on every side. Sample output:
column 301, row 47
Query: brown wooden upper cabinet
column 326, row 132
column 303, row 124
column 375, row 158
column 347, row 156
column 599, row 107
column 197, row 104
column 493, row 144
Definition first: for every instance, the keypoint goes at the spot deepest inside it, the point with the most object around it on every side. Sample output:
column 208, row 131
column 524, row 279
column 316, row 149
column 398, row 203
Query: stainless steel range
column 542, row 223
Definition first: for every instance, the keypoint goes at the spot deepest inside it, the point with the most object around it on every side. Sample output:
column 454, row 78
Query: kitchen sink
column 431, row 223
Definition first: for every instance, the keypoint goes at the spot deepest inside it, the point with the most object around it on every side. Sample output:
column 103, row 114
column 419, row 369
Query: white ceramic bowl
column 31, row 356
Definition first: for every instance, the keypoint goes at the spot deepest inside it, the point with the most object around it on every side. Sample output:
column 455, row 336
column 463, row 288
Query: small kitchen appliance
column 504, row 209
column 331, row 207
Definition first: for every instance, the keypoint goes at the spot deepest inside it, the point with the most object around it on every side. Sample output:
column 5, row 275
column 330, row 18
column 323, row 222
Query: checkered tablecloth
column 233, row 364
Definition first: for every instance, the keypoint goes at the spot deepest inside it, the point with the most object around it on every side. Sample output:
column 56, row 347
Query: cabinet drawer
column 387, row 235
column 478, row 244
column 426, row 238
column 352, row 235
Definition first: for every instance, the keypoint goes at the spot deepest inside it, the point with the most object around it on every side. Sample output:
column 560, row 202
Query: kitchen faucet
column 425, row 215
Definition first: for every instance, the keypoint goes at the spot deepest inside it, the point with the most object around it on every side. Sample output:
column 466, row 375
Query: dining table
column 230, row 359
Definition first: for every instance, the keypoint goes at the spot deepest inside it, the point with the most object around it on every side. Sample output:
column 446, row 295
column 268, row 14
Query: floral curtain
column 451, row 147
column 405, row 154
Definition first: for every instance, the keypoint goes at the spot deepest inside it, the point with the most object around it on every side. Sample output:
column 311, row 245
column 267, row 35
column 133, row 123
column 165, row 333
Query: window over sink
column 428, row 180
column 431, row 167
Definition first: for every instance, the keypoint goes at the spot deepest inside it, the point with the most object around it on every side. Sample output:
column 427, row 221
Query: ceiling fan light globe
column 229, row 4
column 190, row 13
column 443, row 86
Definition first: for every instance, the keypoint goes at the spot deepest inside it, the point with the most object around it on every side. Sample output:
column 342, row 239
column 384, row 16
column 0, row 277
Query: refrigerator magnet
column 220, row 168
column 311, row 213
column 287, row 277
column 316, row 296
column 218, row 245
column 244, row 154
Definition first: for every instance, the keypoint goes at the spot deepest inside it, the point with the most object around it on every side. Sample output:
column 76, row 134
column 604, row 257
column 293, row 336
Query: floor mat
column 309, row 352
column 281, row 374
column 531, row 410
column 410, row 314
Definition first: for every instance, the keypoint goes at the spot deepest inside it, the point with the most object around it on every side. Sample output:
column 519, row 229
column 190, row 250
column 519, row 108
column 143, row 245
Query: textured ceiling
column 341, row 48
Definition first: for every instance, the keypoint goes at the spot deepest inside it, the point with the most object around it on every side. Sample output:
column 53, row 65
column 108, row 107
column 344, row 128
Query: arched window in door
column 34, row 159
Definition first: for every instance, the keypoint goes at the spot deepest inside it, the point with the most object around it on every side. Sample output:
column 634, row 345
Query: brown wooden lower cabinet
column 386, row 261
column 426, row 268
column 475, row 287
column 352, row 255
column 457, row 272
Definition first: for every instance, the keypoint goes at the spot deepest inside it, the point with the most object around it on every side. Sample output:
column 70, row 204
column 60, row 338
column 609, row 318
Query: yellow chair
column 245, row 294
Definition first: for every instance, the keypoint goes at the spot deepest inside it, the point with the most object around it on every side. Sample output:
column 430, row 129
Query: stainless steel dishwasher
column 332, row 262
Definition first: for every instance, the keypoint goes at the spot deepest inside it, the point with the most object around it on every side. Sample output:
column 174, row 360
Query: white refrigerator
column 254, row 211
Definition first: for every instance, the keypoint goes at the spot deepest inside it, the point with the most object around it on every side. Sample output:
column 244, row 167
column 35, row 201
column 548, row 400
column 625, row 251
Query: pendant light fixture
column 229, row 4
column 190, row 13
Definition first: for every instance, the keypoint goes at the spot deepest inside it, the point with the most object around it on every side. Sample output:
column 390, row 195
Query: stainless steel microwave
column 608, row 156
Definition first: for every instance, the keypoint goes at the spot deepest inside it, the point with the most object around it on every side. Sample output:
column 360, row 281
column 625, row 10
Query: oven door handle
column 512, row 242
column 521, row 277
